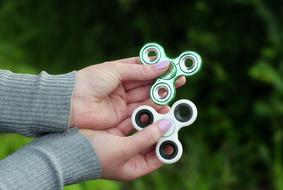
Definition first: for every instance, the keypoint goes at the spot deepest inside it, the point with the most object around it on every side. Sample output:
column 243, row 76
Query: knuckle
column 144, row 69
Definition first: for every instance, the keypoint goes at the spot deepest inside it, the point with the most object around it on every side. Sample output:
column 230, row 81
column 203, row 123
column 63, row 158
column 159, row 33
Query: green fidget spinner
column 163, row 90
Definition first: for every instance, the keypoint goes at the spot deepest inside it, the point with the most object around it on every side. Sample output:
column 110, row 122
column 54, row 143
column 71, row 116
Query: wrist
column 87, row 133
column 72, row 121
column 72, row 104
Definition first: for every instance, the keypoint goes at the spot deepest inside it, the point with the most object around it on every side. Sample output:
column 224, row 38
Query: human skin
column 125, row 157
column 106, row 94
column 104, row 98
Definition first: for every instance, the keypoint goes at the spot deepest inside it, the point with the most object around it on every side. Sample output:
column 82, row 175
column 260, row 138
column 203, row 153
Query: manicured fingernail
column 162, row 64
column 165, row 125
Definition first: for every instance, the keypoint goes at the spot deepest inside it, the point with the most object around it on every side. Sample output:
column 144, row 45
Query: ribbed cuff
column 73, row 153
column 35, row 104
column 50, row 162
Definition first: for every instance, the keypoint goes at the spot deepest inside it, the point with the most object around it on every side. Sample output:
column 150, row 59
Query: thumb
column 147, row 137
column 141, row 72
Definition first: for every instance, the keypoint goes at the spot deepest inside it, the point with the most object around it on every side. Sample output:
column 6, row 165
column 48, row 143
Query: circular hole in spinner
column 152, row 54
column 144, row 118
column 188, row 64
column 183, row 112
column 168, row 150
column 162, row 92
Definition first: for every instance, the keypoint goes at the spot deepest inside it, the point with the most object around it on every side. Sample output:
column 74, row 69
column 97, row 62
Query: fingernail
column 162, row 64
column 165, row 125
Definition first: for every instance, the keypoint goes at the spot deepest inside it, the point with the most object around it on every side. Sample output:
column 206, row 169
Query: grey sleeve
column 50, row 162
column 33, row 105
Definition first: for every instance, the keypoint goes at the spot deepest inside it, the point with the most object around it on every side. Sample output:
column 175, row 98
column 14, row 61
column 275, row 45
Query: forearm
column 50, row 162
column 35, row 104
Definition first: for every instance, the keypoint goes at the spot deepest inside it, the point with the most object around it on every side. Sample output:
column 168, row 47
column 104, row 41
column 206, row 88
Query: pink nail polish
column 165, row 125
column 162, row 64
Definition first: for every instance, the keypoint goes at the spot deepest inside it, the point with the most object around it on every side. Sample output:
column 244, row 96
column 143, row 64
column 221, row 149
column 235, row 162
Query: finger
column 139, row 72
column 126, row 127
column 115, row 131
column 130, row 60
column 148, row 102
column 148, row 149
column 180, row 81
column 141, row 165
column 129, row 85
column 147, row 137
column 138, row 94
column 142, row 93
column 133, row 86
column 123, row 129
column 164, row 109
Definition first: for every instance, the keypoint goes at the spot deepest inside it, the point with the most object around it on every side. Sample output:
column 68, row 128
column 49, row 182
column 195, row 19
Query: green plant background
column 236, row 142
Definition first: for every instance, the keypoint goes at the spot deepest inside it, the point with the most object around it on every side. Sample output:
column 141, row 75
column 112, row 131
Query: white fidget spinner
column 183, row 113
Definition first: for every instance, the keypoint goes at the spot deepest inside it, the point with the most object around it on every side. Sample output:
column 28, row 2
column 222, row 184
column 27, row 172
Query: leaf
column 264, row 72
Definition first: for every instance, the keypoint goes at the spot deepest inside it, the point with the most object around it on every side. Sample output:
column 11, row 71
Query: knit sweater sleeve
column 34, row 105
column 50, row 162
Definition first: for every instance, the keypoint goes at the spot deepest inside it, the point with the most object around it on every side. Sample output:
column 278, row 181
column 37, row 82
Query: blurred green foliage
column 236, row 142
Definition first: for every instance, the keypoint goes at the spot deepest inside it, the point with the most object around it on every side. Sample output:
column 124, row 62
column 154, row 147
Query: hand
column 107, row 93
column 127, row 158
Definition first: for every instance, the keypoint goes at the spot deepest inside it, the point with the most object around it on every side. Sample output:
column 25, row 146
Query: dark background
column 236, row 142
